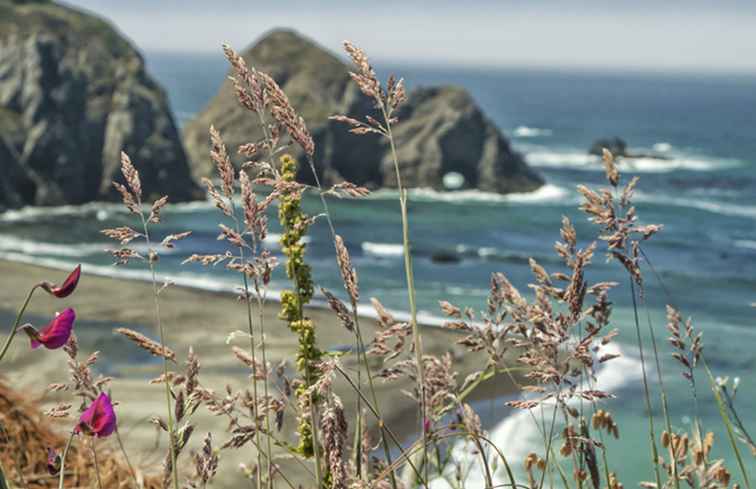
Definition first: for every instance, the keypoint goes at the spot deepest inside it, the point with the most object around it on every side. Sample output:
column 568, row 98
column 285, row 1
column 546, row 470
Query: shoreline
column 202, row 319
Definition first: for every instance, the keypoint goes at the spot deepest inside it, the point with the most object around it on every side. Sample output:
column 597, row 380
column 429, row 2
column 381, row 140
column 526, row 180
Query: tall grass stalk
column 361, row 347
column 646, row 391
column 252, row 350
column 161, row 330
column 663, row 395
column 261, row 313
column 410, row 275
column 728, row 424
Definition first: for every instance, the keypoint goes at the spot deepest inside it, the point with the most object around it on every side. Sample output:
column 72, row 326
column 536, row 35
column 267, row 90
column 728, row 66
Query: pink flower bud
column 67, row 287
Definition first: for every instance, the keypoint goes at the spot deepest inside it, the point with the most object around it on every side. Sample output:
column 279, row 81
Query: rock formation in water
column 617, row 146
column 73, row 94
column 619, row 149
column 441, row 129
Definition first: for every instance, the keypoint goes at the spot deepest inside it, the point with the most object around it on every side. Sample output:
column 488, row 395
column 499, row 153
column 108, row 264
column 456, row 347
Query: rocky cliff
column 442, row 130
column 73, row 94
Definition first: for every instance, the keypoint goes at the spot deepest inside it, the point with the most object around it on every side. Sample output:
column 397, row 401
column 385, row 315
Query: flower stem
column 63, row 461
column 253, row 351
column 126, row 458
column 158, row 322
column 96, row 464
column 14, row 330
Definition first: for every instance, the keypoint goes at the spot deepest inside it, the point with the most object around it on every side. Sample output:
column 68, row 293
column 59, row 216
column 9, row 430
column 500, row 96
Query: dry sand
column 202, row 320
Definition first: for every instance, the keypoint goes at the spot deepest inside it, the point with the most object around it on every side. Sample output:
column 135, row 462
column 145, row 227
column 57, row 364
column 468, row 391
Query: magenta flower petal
column 67, row 287
column 99, row 419
column 56, row 334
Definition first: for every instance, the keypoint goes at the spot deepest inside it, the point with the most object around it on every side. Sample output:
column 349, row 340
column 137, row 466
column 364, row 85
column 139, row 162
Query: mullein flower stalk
column 295, row 224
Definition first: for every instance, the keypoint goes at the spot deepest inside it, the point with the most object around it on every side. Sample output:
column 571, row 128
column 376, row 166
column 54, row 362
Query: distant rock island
column 73, row 94
column 441, row 131
column 618, row 147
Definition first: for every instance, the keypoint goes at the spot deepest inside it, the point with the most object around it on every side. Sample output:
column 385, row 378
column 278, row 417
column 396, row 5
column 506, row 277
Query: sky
column 646, row 35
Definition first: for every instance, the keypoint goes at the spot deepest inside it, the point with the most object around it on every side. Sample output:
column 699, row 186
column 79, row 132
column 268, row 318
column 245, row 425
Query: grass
column 554, row 337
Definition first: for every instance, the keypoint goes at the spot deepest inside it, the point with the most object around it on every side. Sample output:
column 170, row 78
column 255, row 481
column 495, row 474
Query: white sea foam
column 544, row 194
column 530, row 132
column 745, row 243
column 274, row 239
column 662, row 147
column 382, row 249
column 517, row 434
column 723, row 208
column 9, row 243
column 100, row 210
column 582, row 161
column 487, row 251
column 32, row 247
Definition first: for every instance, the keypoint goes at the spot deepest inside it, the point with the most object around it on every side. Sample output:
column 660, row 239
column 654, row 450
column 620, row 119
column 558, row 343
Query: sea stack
column 441, row 129
column 74, row 93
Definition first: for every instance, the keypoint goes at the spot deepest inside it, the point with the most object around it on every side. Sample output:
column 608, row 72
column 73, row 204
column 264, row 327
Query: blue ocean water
column 704, row 194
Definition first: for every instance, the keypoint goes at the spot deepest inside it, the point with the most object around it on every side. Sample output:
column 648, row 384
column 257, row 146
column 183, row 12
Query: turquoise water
column 705, row 195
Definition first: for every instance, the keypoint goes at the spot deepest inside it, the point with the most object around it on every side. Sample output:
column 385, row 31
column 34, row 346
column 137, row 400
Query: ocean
column 704, row 194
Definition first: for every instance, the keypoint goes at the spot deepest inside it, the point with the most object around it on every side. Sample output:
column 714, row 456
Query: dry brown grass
column 28, row 434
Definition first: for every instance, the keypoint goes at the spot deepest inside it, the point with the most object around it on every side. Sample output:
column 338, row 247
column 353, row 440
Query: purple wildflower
column 99, row 419
column 55, row 334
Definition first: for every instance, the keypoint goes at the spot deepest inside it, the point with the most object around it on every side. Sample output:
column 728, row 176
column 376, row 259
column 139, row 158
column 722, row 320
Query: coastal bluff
column 74, row 93
column 441, row 130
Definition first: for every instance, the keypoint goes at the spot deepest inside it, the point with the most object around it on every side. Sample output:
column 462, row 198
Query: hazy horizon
column 678, row 36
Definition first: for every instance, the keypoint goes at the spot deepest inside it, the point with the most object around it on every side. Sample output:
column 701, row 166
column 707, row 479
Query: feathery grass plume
column 559, row 339
column 612, row 174
column 692, row 461
column 244, row 236
column 205, row 463
column 155, row 348
column 286, row 116
column 340, row 309
column 335, row 431
column 247, row 83
column 295, row 223
column 131, row 194
column 623, row 236
column 685, row 341
column 386, row 102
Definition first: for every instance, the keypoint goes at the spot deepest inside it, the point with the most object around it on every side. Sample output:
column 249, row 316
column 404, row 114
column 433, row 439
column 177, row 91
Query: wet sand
column 202, row 320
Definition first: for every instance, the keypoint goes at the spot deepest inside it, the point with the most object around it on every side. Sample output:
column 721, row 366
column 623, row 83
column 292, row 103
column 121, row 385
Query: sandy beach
column 192, row 318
